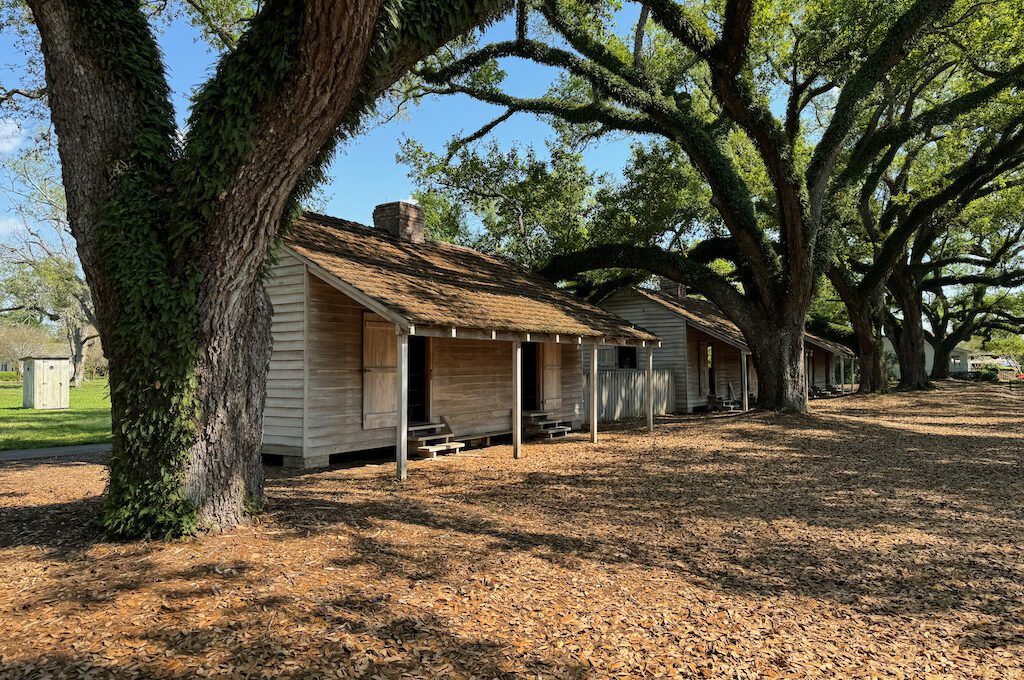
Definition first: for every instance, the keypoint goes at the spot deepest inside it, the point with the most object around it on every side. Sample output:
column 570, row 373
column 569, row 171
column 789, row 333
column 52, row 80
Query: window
column 626, row 357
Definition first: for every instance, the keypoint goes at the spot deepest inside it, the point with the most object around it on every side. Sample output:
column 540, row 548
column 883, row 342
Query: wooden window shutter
column 380, row 365
column 551, row 384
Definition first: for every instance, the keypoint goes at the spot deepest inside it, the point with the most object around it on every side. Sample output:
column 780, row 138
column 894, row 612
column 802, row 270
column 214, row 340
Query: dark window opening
column 627, row 357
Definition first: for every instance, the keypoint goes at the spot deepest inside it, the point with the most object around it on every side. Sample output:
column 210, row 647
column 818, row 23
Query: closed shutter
column 551, row 385
column 380, row 366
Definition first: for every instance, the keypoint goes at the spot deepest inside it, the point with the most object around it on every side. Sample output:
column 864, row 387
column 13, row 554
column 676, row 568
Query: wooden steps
column 433, row 438
column 543, row 425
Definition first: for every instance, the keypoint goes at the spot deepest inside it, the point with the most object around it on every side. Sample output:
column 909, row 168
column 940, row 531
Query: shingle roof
column 704, row 315
column 446, row 285
column 833, row 347
column 708, row 317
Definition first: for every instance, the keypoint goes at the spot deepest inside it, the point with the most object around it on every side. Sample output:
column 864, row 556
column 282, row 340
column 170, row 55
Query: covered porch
column 829, row 368
column 720, row 375
column 458, row 386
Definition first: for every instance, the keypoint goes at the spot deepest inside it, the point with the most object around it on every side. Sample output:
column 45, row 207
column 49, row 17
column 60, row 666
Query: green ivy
column 152, row 226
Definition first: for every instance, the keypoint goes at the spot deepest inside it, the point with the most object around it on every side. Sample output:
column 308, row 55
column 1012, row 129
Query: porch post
column 842, row 375
column 517, row 398
column 650, row 389
column 807, row 377
column 593, row 392
column 402, row 390
column 745, row 381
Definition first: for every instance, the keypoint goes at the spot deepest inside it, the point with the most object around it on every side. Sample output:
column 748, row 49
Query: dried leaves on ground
column 878, row 537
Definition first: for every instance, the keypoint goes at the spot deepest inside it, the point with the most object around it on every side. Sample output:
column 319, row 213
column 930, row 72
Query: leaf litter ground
column 877, row 537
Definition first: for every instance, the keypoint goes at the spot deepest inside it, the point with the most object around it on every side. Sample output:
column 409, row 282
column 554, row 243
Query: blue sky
column 364, row 172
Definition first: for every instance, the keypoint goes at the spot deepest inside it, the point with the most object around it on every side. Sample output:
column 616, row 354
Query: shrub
column 8, row 376
column 988, row 375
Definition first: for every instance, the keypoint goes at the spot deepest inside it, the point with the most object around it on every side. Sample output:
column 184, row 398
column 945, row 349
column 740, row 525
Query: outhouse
column 46, row 382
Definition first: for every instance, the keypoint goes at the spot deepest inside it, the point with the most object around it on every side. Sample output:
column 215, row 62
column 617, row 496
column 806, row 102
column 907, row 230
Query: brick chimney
column 672, row 288
column 400, row 219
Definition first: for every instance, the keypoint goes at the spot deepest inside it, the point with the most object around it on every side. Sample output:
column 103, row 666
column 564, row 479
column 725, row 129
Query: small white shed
column 46, row 382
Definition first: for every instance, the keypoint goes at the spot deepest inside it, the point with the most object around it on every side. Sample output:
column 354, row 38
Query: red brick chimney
column 400, row 219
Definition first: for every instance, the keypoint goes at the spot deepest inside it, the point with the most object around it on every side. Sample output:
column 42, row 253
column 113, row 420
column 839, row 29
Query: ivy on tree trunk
column 174, row 234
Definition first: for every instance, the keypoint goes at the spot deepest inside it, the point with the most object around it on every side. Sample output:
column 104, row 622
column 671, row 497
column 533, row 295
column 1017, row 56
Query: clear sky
column 364, row 172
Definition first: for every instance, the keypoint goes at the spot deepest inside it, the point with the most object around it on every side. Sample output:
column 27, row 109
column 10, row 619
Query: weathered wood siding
column 572, row 385
column 283, row 416
column 821, row 362
column 668, row 326
column 315, row 388
column 334, row 409
column 622, row 393
column 471, row 384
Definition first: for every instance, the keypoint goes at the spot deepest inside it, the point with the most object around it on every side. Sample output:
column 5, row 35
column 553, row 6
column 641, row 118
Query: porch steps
column 542, row 425
column 433, row 438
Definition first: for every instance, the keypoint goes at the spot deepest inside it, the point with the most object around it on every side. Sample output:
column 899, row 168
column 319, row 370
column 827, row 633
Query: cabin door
column 380, row 368
column 531, row 377
column 418, row 376
column 551, row 382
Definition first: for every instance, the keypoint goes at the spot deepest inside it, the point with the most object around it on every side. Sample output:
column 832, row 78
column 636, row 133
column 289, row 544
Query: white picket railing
column 622, row 393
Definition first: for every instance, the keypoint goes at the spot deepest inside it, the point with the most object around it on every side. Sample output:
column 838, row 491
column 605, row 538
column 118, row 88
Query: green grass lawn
column 86, row 422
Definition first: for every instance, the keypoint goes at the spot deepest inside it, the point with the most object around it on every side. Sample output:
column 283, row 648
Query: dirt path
column 878, row 537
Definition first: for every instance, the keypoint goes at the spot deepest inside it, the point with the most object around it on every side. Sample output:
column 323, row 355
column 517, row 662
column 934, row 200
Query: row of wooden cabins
column 385, row 340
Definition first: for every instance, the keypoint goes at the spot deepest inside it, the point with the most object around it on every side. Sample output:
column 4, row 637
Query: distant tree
column 972, row 311
column 966, row 253
column 39, row 270
column 20, row 340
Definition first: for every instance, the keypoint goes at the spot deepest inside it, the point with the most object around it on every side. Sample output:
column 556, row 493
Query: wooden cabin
column 706, row 352
column 829, row 364
column 383, row 339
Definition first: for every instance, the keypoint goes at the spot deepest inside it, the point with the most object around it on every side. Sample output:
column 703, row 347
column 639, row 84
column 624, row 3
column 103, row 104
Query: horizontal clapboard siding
column 335, row 364
column 668, row 326
column 471, row 385
column 622, row 393
column 283, row 415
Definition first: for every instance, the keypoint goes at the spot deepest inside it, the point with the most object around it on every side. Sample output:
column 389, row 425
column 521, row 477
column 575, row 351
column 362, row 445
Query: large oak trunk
column 224, row 473
column 909, row 338
column 870, row 349
column 779, row 358
column 940, row 362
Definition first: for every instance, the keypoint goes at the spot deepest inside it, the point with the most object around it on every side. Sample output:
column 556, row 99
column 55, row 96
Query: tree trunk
column 77, row 355
column 864, row 317
column 224, row 473
column 910, row 341
column 940, row 363
column 779, row 360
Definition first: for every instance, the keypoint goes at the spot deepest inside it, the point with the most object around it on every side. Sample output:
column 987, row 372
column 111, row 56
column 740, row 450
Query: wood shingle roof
column 439, row 284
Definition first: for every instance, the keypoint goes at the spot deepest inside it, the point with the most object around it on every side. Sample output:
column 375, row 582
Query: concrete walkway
column 29, row 454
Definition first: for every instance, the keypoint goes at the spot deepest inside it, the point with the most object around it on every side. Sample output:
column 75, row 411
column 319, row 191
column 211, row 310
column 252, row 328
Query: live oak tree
column 959, row 274
column 973, row 311
column 702, row 75
column 174, row 228
column 919, row 166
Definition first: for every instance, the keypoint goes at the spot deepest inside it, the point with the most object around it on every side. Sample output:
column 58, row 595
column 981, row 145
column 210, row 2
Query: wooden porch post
column 402, row 390
column 593, row 392
column 807, row 376
column 842, row 375
column 745, row 381
column 517, row 398
column 650, row 389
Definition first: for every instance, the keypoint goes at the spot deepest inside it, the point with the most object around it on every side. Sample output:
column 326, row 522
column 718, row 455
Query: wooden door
column 380, row 367
column 551, row 380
